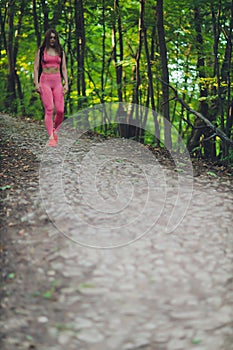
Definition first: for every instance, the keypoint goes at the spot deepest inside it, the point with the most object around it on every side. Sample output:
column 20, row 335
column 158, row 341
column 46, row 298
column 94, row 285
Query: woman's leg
column 58, row 96
column 47, row 100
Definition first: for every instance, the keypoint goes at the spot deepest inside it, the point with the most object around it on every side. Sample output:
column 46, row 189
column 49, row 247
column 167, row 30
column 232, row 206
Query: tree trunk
column 128, row 129
column 194, row 141
column 217, row 91
column 11, row 92
column 138, row 54
column 16, row 47
column 80, row 46
column 165, row 75
column 135, row 132
column 3, row 41
column 57, row 13
column 45, row 10
column 118, row 62
column 226, row 77
column 69, row 58
column 36, row 26
column 151, row 86
column 103, row 52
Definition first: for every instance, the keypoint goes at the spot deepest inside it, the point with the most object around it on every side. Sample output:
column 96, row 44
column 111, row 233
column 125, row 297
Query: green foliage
column 211, row 173
column 196, row 341
column 48, row 294
column 229, row 157
column 3, row 188
column 11, row 276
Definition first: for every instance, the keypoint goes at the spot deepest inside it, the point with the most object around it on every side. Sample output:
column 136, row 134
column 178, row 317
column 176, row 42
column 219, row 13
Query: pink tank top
column 49, row 61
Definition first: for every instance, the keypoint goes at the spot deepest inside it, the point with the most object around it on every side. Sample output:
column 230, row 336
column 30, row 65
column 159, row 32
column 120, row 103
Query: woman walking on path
column 49, row 70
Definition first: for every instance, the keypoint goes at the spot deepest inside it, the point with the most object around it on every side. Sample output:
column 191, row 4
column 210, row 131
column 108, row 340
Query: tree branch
column 218, row 132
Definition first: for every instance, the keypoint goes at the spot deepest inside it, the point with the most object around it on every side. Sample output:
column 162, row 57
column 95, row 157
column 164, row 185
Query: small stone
column 90, row 336
column 176, row 344
column 43, row 217
column 51, row 273
column 161, row 337
column 42, row 319
column 215, row 301
column 149, row 326
column 94, row 291
column 65, row 337
column 28, row 217
column 142, row 340
column 128, row 346
column 225, row 314
column 53, row 332
column 67, row 290
column 40, row 270
column 81, row 323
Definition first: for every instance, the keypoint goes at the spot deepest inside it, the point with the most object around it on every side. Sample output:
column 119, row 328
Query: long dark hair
column 46, row 41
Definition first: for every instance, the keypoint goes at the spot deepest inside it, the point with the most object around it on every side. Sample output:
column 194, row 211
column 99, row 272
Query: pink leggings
column 52, row 95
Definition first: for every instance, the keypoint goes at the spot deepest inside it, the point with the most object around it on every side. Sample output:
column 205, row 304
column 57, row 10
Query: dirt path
column 82, row 271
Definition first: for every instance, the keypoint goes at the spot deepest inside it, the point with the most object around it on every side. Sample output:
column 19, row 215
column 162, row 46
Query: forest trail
column 164, row 291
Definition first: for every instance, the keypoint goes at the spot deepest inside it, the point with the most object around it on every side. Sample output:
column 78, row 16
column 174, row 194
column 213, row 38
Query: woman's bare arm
column 36, row 71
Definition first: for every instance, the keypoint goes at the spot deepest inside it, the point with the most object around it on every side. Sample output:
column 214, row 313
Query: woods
column 130, row 51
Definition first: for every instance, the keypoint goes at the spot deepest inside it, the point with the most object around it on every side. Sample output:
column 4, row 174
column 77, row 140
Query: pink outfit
column 49, row 61
column 52, row 94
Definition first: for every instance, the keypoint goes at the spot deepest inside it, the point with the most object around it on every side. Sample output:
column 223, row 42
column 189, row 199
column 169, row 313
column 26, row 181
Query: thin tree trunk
column 165, row 75
column 229, row 121
column 186, row 69
column 80, row 45
column 57, row 13
column 46, row 14
column 216, row 30
column 16, row 46
column 103, row 51
column 135, row 131
column 151, row 86
column 11, row 92
column 121, row 52
column 117, row 62
column 155, row 108
column 3, row 41
column 69, row 57
column 194, row 141
column 138, row 54
column 36, row 27
column 76, row 10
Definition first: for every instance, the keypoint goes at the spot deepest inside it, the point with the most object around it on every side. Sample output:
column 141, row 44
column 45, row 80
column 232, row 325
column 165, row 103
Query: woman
column 49, row 70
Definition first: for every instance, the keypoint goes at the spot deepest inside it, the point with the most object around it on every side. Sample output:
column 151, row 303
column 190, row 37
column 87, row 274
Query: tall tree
column 11, row 92
column 80, row 47
column 151, row 96
column 36, row 24
column 103, row 51
column 226, row 75
column 165, row 73
column 57, row 13
column 45, row 9
column 117, row 54
column 200, row 129
column 16, row 48
column 3, row 40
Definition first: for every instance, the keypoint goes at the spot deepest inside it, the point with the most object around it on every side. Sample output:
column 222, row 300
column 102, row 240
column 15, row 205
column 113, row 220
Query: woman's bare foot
column 52, row 141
